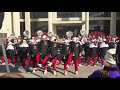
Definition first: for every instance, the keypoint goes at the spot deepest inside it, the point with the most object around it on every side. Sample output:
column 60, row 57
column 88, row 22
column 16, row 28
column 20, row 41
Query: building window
column 38, row 15
column 100, row 14
column 35, row 26
column 118, row 14
column 22, row 15
column 22, row 28
column 68, row 14
column 118, row 27
column 100, row 25
column 61, row 30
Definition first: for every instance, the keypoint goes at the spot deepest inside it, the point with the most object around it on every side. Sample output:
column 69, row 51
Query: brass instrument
column 50, row 34
column 26, row 33
column 39, row 33
column 69, row 34
column 83, row 33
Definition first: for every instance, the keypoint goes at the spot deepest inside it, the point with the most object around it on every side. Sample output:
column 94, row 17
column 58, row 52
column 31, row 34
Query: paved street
column 84, row 71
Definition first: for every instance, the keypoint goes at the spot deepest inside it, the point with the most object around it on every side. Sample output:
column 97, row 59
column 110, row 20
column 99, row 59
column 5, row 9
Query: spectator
column 110, row 69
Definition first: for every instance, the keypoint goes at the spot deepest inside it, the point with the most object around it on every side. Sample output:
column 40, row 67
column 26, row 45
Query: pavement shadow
column 60, row 72
column 49, row 69
column 37, row 75
column 67, row 70
column 4, row 70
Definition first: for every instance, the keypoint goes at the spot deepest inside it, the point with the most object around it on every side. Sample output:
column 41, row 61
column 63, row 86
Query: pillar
column 54, row 20
column 83, row 19
column 7, row 24
column 16, row 23
column 28, row 23
column 113, row 24
column 87, row 22
column 50, row 25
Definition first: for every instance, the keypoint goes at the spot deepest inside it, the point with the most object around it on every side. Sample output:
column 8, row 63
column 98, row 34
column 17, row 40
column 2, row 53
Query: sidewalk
column 84, row 71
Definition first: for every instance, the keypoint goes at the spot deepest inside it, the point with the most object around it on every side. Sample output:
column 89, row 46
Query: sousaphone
column 69, row 33
column 83, row 33
column 39, row 33
column 26, row 33
column 50, row 34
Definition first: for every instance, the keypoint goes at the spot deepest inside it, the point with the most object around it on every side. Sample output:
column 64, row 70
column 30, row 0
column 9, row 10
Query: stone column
column 50, row 19
column 28, row 23
column 83, row 19
column 16, row 23
column 113, row 24
column 87, row 22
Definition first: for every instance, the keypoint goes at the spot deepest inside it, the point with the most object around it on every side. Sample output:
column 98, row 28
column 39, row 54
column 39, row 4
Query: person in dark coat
column 103, row 49
column 100, row 40
column 35, row 54
column 60, row 52
column 24, row 53
column 66, row 52
column 54, row 46
column 17, row 49
column 70, row 56
column 10, row 51
column 113, row 42
column 44, row 52
column 93, row 52
column 81, row 49
column 86, row 49
column 76, row 50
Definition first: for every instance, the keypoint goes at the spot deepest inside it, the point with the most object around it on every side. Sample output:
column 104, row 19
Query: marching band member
column 81, row 49
column 113, row 42
column 86, row 49
column 83, row 40
column 17, row 48
column 44, row 52
column 109, row 38
column 103, row 49
column 93, row 51
column 66, row 52
column 76, row 49
column 53, row 52
column 24, row 54
column 35, row 54
column 33, row 39
column 19, row 39
column 60, row 51
column 69, row 35
column 10, row 53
